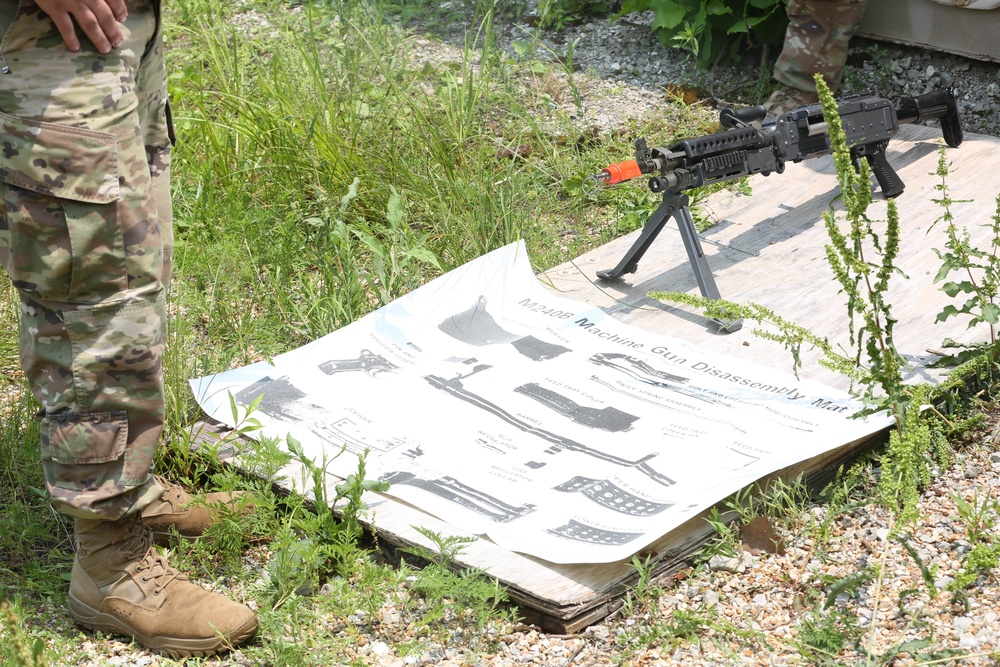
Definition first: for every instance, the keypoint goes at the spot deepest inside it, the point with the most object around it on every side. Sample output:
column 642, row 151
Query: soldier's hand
column 98, row 19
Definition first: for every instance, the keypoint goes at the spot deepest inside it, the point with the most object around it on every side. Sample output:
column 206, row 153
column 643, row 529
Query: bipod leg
column 630, row 262
column 696, row 256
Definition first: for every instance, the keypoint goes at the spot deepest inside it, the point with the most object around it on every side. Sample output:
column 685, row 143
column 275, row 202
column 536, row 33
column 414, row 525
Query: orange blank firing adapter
column 620, row 171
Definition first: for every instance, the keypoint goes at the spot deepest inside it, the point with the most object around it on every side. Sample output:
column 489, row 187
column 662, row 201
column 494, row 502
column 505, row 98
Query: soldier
column 815, row 43
column 85, row 234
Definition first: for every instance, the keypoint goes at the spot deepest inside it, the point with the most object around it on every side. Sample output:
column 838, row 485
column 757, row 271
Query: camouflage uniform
column 816, row 41
column 85, row 234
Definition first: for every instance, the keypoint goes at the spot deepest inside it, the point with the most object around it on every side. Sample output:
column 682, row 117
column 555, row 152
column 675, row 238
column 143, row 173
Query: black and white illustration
column 455, row 491
column 366, row 362
column 558, row 443
column 283, row 401
column 582, row 532
column 643, row 371
column 606, row 493
column 537, row 422
column 607, row 418
column 475, row 326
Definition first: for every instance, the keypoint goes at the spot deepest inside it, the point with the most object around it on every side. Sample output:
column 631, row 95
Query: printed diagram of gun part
column 608, row 494
column 283, row 400
column 475, row 326
column 455, row 388
column 366, row 362
column 607, row 418
column 451, row 489
column 637, row 369
column 581, row 532
column 741, row 459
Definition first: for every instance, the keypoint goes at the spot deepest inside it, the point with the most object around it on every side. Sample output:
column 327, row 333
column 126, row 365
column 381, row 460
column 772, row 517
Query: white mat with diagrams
column 488, row 401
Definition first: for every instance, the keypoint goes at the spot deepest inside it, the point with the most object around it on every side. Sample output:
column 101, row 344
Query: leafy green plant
column 558, row 14
column 864, row 279
column 793, row 337
column 194, row 453
column 978, row 269
column 906, row 464
column 17, row 647
column 323, row 538
column 927, row 572
column 979, row 517
column 644, row 592
column 726, row 539
column 847, row 585
column 784, row 499
column 446, row 549
column 444, row 582
column 714, row 31
column 981, row 559
column 823, row 636
column 777, row 499
column 655, row 630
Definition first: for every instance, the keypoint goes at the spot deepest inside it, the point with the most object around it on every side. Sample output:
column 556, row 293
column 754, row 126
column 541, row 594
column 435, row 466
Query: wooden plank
column 767, row 248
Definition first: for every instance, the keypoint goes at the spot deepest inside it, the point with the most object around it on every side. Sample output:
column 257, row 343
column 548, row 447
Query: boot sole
column 173, row 647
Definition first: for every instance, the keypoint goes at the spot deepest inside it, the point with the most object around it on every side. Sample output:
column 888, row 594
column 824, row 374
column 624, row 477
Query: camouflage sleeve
column 816, row 41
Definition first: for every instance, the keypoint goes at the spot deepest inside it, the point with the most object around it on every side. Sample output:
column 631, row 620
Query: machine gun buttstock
column 951, row 127
column 936, row 104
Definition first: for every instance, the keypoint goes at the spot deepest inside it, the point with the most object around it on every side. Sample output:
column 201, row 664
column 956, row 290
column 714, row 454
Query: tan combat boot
column 786, row 98
column 121, row 585
column 175, row 507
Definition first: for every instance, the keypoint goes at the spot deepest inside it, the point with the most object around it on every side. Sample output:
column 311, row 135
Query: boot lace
column 174, row 491
column 138, row 543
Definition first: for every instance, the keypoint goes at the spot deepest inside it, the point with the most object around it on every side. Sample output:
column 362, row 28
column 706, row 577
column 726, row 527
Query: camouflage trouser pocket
column 60, row 237
column 83, row 453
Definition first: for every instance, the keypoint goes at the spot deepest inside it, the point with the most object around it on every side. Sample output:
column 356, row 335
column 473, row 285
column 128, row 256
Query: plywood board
column 766, row 248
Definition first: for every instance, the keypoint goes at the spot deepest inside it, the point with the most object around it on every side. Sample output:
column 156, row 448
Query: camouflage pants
column 816, row 41
column 85, row 234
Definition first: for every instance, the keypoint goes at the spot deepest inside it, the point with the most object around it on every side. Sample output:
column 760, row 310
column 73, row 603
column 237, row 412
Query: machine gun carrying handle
column 730, row 118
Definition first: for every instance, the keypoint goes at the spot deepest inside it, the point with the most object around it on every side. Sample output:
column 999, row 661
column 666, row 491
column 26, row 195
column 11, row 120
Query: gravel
column 622, row 71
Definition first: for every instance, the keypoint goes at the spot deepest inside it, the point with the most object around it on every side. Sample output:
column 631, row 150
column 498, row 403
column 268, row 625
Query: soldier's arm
column 98, row 19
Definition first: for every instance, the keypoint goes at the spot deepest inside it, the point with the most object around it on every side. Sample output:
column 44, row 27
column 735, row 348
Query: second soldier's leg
column 816, row 42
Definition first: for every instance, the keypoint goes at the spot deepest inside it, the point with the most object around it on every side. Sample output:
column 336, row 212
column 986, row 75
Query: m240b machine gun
column 742, row 149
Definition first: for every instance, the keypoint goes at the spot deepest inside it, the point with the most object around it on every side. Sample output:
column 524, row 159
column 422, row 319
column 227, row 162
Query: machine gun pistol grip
column 890, row 182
